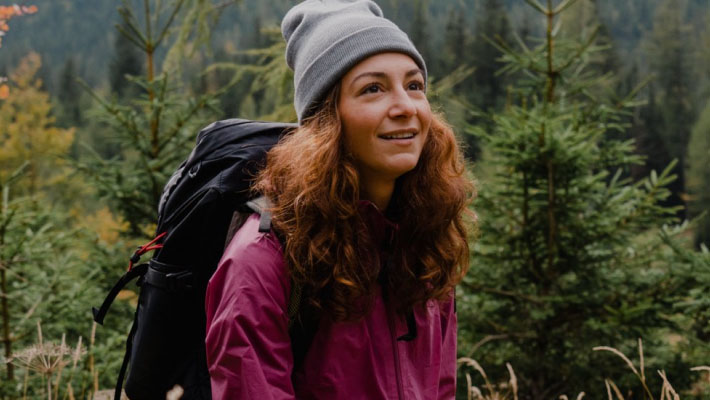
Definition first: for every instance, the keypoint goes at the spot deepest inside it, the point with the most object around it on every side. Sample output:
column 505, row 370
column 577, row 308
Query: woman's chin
column 402, row 168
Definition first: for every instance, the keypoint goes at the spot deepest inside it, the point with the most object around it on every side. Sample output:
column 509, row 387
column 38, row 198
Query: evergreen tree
column 419, row 30
column 649, row 137
column 127, row 60
column 581, row 19
column 487, row 86
column 43, row 270
column 69, row 96
column 567, row 257
column 456, row 40
column 670, row 50
column 698, row 174
column 154, row 128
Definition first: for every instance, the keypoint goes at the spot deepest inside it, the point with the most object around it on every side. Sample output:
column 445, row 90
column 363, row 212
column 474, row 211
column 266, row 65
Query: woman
column 369, row 201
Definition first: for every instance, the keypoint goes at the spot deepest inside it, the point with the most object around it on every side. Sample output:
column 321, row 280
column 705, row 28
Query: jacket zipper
column 397, row 366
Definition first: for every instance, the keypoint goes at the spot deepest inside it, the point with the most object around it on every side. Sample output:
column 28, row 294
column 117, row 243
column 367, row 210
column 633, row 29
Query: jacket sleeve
column 447, row 381
column 247, row 341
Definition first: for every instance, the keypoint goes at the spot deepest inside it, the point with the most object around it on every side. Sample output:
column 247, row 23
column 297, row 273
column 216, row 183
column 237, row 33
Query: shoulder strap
column 261, row 206
column 301, row 327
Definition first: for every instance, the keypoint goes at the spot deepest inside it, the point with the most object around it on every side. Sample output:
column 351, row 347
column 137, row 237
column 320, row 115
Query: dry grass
column 667, row 391
column 49, row 360
column 499, row 392
column 108, row 395
column 502, row 391
column 509, row 390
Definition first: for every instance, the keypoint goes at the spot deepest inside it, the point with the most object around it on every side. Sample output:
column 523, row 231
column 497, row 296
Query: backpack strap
column 261, row 206
column 302, row 322
column 100, row 313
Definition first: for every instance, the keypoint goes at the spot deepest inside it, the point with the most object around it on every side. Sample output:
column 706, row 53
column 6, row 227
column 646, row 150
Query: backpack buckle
column 171, row 281
column 179, row 281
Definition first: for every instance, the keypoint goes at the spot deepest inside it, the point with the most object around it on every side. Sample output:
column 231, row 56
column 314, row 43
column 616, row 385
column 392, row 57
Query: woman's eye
column 373, row 88
column 416, row 86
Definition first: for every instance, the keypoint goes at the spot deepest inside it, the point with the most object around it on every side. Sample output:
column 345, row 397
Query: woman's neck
column 378, row 191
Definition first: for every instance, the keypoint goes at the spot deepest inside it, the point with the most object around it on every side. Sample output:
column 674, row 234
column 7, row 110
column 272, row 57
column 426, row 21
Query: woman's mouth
column 398, row 135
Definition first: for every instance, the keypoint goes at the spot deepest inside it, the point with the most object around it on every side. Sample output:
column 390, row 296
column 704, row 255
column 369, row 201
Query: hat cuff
column 333, row 62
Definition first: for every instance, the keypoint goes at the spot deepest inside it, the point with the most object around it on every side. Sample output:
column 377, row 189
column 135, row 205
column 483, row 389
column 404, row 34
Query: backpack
column 197, row 214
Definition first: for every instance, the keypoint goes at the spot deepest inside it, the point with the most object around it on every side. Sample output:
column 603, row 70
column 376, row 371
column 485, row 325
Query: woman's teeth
column 398, row 136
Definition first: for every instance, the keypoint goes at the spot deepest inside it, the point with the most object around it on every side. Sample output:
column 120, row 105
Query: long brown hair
column 314, row 187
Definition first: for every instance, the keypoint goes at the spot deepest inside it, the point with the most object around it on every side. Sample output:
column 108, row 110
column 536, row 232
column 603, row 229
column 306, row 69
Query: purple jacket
column 249, row 349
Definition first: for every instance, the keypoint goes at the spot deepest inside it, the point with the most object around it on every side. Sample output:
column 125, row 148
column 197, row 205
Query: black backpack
column 166, row 346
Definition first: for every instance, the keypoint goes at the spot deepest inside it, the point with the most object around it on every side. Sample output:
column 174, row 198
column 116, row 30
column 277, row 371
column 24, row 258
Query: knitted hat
column 325, row 38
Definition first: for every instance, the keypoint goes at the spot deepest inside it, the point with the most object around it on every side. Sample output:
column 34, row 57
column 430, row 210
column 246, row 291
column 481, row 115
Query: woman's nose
column 402, row 105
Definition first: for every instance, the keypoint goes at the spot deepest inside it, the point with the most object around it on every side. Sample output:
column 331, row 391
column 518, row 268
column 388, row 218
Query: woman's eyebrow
column 372, row 74
column 414, row 72
column 381, row 75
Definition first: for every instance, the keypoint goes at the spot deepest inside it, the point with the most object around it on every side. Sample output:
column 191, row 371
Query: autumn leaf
column 4, row 91
column 107, row 226
column 7, row 12
column 28, row 131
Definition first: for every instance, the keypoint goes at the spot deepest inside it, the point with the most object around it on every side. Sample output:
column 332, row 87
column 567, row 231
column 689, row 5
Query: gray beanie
column 325, row 38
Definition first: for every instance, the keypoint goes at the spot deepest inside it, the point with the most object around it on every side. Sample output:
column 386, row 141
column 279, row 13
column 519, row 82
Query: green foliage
column 268, row 94
column 419, row 27
column 28, row 135
column 572, row 253
column 693, row 306
column 698, row 175
column 126, row 61
column 50, row 263
column 155, row 128
column 569, row 254
column 69, row 96
column 456, row 41
column 671, row 47
column 491, row 23
column 49, row 271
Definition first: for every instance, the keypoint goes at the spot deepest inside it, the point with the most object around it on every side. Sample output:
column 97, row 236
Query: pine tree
column 580, row 20
column 670, row 51
column 419, row 29
column 69, row 96
column 567, row 257
column 487, row 85
column 126, row 60
column 698, row 176
column 156, row 126
column 456, row 40
column 42, row 275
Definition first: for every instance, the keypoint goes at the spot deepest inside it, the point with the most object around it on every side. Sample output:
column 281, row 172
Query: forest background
column 586, row 123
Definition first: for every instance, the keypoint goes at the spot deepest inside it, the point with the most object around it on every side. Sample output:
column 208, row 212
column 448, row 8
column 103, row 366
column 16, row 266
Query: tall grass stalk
column 641, row 375
column 474, row 393
column 667, row 391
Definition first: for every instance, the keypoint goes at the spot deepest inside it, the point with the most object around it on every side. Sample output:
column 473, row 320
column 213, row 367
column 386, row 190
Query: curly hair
column 313, row 184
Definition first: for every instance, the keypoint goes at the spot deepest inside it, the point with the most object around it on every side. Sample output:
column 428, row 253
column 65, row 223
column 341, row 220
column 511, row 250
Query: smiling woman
column 386, row 118
column 369, row 222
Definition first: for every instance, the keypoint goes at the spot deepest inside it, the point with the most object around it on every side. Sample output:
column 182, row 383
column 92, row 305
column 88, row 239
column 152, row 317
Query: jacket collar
column 382, row 229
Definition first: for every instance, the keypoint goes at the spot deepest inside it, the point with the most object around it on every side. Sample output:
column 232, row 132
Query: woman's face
column 385, row 115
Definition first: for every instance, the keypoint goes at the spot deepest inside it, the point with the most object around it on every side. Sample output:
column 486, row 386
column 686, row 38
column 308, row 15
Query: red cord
column 144, row 249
